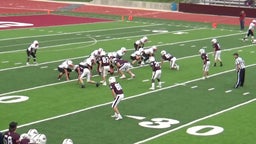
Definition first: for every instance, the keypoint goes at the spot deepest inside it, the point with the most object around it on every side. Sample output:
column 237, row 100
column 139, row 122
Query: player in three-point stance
column 167, row 56
column 31, row 51
column 217, row 52
column 156, row 73
column 65, row 68
column 104, row 65
column 206, row 63
column 140, row 43
column 84, row 69
column 240, row 69
column 118, row 95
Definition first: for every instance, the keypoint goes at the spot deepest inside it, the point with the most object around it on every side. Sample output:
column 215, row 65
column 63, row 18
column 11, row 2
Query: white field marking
column 146, row 80
column 43, row 67
column 194, row 87
column 228, row 91
column 17, row 63
column 210, row 89
column 88, row 31
column 127, row 98
column 240, row 50
column 182, row 45
column 195, row 121
column 135, row 117
column 5, row 61
column 252, row 52
column 13, row 51
column 246, row 93
column 55, row 69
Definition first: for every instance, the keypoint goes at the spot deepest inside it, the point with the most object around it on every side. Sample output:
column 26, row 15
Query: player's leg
column 34, row 57
column 159, row 72
column 153, row 81
column 242, row 76
column 115, row 108
column 238, row 81
column 28, row 57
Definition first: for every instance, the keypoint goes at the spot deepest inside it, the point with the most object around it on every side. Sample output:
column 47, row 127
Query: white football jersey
column 251, row 26
column 65, row 64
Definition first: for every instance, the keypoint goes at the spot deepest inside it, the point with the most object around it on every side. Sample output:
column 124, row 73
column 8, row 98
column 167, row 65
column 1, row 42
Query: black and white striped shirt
column 239, row 63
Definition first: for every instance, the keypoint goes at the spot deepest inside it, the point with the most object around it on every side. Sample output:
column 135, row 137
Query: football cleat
column 119, row 118
column 97, row 84
column 123, row 77
column 82, row 86
column 152, row 88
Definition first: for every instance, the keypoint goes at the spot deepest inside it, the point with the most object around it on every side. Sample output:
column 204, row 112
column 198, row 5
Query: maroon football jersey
column 121, row 62
column 167, row 57
column 11, row 138
column 116, row 87
column 204, row 57
column 155, row 66
column 25, row 141
column 216, row 46
column 105, row 60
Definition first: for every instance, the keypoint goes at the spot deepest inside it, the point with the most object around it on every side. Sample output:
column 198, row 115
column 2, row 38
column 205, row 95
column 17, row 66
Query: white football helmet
column 67, row 141
column 141, row 50
column 254, row 21
column 103, row 53
column 40, row 139
column 144, row 39
column 32, row 133
column 24, row 136
column 214, row 41
column 36, row 42
column 163, row 52
column 151, row 59
column 100, row 50
column 123, row 49
column 69, row 62
column 201, row 51
column 111, row 80
column 154, row 47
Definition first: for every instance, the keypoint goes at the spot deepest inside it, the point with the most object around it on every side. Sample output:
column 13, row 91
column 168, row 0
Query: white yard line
column 131, row 97
column 107, row 39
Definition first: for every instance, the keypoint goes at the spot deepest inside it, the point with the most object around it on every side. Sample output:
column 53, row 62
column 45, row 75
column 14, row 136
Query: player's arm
column 113, row 93
column 66, row 73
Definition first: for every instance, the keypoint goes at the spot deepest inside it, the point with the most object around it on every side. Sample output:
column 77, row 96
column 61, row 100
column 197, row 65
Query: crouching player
column 156, row 72
column 123, row 65
column 170, row 58
column 65, row 68
column 117, row 93
column 84, row 69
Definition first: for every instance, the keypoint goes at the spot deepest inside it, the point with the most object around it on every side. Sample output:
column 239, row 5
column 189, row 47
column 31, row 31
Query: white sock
column 153, row 85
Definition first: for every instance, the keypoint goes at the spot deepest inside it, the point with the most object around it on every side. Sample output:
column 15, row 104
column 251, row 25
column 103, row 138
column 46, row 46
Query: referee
column 240, row 69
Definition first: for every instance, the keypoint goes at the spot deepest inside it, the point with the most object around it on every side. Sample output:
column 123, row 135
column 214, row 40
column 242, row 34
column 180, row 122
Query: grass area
column 62, row 109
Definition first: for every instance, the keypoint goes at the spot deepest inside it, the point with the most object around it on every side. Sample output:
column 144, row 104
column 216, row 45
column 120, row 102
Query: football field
column 187, row 109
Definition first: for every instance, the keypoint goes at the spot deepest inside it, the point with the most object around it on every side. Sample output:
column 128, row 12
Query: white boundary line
column 139, row 95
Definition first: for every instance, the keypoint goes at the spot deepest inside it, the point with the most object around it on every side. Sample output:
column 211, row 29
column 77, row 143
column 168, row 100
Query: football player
column 24, row 139
column 147, row 53
column 167, row 56
column 120, row 53
column 31, row 51
column 206, row 63
column 217, row 52
column 137, row 57
column 156, row 73
column 84, row 69
column 140, row 43
column 11, row 136
column 250, row 31
column 65, row 68
column 117, row 93
column 96, row 56
column 104, row 67
column 123, row 65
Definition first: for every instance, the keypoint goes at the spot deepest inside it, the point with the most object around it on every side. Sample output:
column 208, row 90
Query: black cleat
column 82, row 86
column 97, row 84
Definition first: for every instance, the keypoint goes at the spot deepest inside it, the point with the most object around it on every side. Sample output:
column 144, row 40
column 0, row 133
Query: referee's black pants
column 240, row 78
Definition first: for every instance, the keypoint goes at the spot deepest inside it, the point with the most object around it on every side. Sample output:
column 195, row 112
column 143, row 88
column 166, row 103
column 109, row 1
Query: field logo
column 13, row 99
column 8, row 24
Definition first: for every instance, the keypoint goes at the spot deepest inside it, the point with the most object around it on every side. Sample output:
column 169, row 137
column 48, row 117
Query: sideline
column 142, row 94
